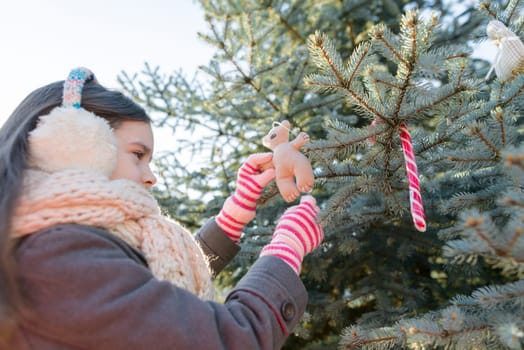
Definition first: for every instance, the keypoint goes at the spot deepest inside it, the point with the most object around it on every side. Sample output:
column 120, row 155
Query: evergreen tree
column 360, row 77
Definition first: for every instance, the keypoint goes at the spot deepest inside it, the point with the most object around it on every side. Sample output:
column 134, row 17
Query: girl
column 88, row 262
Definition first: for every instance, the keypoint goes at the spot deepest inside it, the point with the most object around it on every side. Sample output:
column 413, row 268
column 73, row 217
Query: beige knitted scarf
column 122, row 207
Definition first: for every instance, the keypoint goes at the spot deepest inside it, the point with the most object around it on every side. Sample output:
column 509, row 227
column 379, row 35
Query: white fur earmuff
column 73, row 138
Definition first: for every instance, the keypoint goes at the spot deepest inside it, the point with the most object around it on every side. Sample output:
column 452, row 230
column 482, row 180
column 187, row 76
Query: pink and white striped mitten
column 297, row 233
column 239, row 208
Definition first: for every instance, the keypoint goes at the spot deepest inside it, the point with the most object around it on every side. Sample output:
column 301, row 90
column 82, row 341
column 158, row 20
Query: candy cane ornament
column 415, row 199
column 371, row 139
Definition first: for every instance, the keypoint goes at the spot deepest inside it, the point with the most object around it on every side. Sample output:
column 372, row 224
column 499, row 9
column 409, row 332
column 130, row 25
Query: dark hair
column 109, row 104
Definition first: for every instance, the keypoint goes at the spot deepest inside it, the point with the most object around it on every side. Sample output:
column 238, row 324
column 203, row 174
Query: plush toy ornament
column 293, row 171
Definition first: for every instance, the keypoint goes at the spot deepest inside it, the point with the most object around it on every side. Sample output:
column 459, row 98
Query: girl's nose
column 149, row 178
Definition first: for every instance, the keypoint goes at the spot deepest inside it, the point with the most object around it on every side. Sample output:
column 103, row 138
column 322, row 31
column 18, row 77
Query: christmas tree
column 417, row 156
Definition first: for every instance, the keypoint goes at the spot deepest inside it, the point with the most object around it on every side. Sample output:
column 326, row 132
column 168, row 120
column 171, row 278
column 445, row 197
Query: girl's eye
column 138, row 154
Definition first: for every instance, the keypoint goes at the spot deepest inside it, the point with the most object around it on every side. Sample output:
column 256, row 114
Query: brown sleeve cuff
column 216, row 245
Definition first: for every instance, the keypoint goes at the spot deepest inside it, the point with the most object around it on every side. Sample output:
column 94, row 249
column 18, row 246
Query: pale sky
column 40, row 41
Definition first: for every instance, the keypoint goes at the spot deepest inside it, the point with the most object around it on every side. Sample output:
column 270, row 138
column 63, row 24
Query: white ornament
column 510, row 56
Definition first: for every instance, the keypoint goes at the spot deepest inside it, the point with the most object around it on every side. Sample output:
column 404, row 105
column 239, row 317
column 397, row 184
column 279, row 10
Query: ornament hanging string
column 415, row 198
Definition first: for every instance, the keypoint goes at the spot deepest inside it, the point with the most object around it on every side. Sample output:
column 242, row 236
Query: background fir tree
column 331, row 68
column 462, row 149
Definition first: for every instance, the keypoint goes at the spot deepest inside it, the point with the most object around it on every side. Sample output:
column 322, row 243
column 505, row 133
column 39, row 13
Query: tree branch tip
column 473, row 222
column 512, row 159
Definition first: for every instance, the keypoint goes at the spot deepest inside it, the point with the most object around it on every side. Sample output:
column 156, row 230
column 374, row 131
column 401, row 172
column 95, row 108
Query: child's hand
column 297, row 233
column 239, row 209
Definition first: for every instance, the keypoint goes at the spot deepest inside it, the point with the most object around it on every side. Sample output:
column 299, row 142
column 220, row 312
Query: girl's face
column 135, row 151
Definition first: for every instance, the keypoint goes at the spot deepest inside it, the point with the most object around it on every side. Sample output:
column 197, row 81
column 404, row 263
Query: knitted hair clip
column 71, row 137
column 73, row 86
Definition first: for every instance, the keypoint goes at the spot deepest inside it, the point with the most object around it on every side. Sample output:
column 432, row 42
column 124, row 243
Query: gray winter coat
column 88, row 289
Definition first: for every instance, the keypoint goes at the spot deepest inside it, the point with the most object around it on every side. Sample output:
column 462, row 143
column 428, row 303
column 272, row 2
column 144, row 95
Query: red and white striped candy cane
column 371, row 139
column 415, row 199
